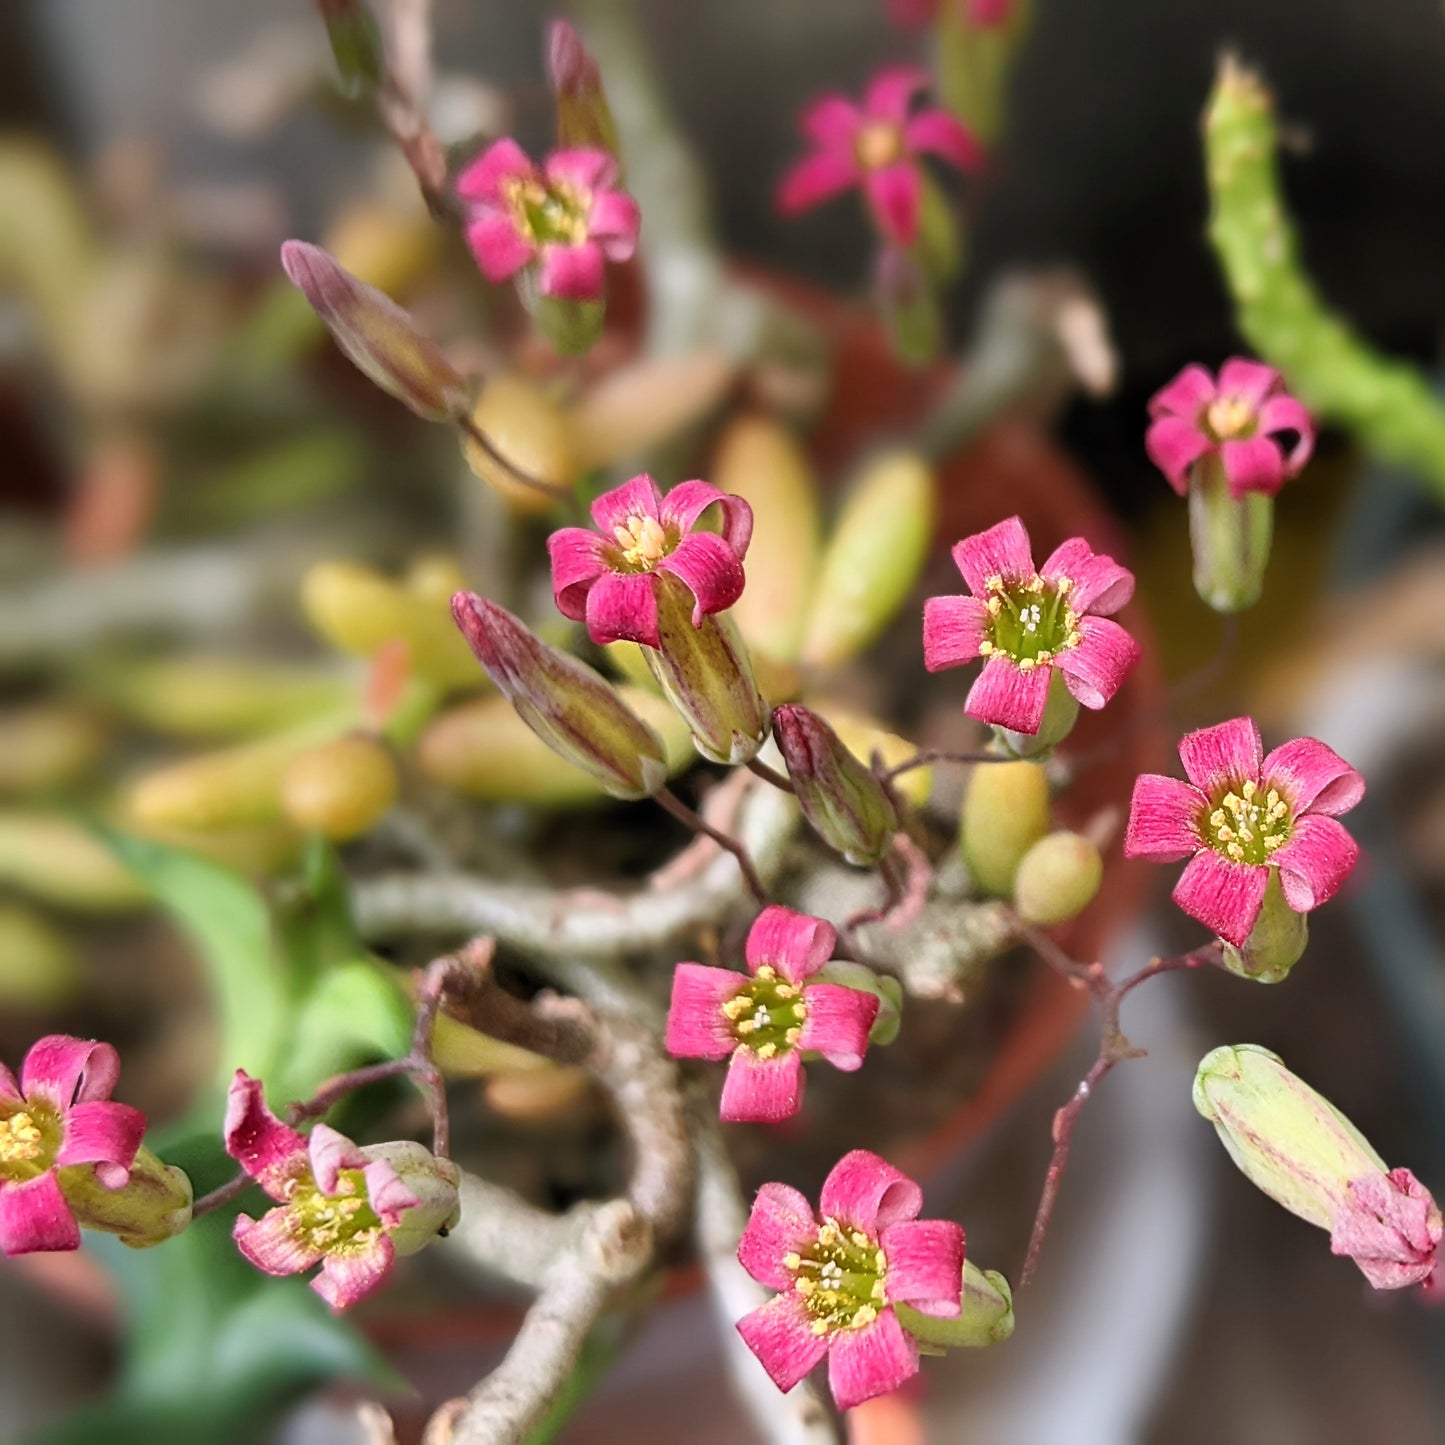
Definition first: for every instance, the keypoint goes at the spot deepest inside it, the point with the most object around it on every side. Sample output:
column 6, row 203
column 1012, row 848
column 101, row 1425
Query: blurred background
column 180, row 448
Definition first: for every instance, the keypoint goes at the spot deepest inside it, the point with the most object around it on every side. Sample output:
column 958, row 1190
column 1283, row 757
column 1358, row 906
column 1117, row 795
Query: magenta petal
column 1002, row 551
column 1099, row 584
column 623, row 605
column 585, row 168
column 330, row 1152
column 636, row 497
column 1250, row 381
column 953, row 627
column 872, row 1361
column 614, row 224
column 256, row 1139
column 1222, row 756
column 865, row 1192
column 696, row 1025
column 1252, row 465
column 482, row 180
column 781, row 1223
column 577, row 562
column 687, row 501
column 1096, row 667
column 709, row 569
column 837, row 1023
column 1005, row 695
column 781, row 1335
column 1174, row 445
column 1163, row 819
column 63, row 1071
column 347, row 1278
column 831, row 122
column 1224, row 896
column 1318, row 858
column 925, row 1266
column 35, row 1219
column 500, row 249
column 9, row 1089
column 1312, row 777
column 891, row 92
column 815, row 179
column 106, row 1135
column 390, row 1196
column 762, row 1091
column 272, row 1243
column 796, row 944
column 1390, row 1227
column 572, row 273
column 1186, row 396
column 943, row 135
column 1284, row 413
column 895, row 194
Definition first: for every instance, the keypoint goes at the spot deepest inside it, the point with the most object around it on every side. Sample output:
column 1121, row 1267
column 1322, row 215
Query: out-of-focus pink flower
column 609, row 578
column 840, row 1275
column 1026, row 622
column 351, row 1210
column 567, row 215
column 765, row 1021
column 1391, row 1228
column 1239, row 418
column 878, row 146
column 1240, row 815
column 59, row 1114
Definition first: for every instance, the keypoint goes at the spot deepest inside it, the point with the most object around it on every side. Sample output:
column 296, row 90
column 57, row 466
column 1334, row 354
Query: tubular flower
column 839, row 1278
column 59, row 1128
column 765, row 1021
column 879, row 147
column 1238, row 419
column 351, row 1210
column 1024, row 623
column 609, row 578
column 1241, row 815
column 568, row 215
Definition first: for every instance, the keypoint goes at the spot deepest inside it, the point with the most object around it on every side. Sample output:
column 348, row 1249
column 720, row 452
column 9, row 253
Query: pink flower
column 1239, row 419
column 766, row 1021
column 1391, row 1229
column 1025, row 623
column 59, row 1115
column 877, row 147
column 609, row 578
column 840, row 1278
column 348, row 1209
column 569, row 213
column 1241, row 814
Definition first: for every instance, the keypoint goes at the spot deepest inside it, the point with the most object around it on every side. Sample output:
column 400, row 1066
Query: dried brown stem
column 760, row 769
column 679, row 810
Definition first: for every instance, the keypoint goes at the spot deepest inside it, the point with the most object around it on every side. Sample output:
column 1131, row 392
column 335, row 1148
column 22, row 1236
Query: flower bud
column 864, row 736
column 583, row 116
column 379, row 338
column 572, row 708
column 1275, row 944
column 340, row 789
column 1005, row 812
column 524, row 426
column 1230, row 537
column 354, row 43
column 848, row 807
column 707, row 675
column 433, row 1181
column 1057, row 879
column 1061, row 712
column 987, row 1316
column 883, row 986
column 1300, row 1150
column 154, row 1206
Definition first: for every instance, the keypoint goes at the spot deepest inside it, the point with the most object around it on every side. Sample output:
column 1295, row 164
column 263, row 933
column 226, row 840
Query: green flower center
column 1229, row 418
column 642, row 542
column 768, row 1014
column 1247, row 826
column 548, row 214
column 1031, row 621
column 29, row 1141
column 340, row 1223
column 840, row 1277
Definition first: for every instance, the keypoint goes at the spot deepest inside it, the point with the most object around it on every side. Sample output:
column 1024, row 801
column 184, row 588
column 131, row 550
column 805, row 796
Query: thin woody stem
column 518, row 474
column 926, row 756
column 679, row 810
column 769, row 775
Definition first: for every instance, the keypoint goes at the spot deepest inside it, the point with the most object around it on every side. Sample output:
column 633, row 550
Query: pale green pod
column 432, row 1180
column 1275, row 944
column 1057, row 879
column 1005, row 812
column 986, row 1317
column 154, row 1206
column 1230, row 538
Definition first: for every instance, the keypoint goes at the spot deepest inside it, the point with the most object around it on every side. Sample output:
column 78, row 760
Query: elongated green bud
column 354, row 43
column 583, row 115
column 1005, row 812
column 1057, row 879
column 1230, row 538
column 1275, row 944
column 153, row 1207
column 987, row 1316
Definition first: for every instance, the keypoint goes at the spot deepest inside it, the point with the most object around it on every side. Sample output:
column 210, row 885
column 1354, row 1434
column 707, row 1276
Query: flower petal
column 1223, row 755
column 1174, row 444
column 796, row 944
column 925, row 1266
column 782, row 1223
column 273, row 1244
column 687, row 501
column 837, row 1023
column 1224, row 896
column 1312, row 777
column 1318, row 858
column 1163, row 819
column 106, row 1135
column 953, row 627
column 696, row 1025
column 1002, row 551
column 1391, row 1227
column 614, row 223
column 62, row 1071
column 709, row 569
column 587, row 168
column 895, row 196
column 1095, row 668
column 1186, row 396
column 781, row 1335
column 762, row 1091
column 1250, row 381
column 346, row 1278
column 1099, row 584
column 572, row 273
column 872, row 1361
column 330, row 1151
column 388, row 1193
column 623, row 605
column 938, row 133
column 500, row 249
column 1284, row 413
column 815, row 179
column 891, row 92
column 9, row 1089
column 577, row 562
column 482, row 180
column 868, row 1193
column 35, row 1219
column 256, row 1139
column 831, row 122
column 636, row 497
column 1004, row 694
column 1253, row 464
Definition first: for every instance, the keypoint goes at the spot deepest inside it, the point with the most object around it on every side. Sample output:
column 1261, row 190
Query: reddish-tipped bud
column 572, row 708
column 583, row 115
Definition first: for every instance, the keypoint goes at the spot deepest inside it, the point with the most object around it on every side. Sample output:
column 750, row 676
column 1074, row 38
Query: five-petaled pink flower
column 765, row 1021
column 1024, row 623
column 840, row 1277
column 1391, row 1228
column 59, row 1117
column 351, row 1210
column 569, row 213
column 1240, row 815
column 1239, row 419
column 878, row 147
column 609, row 578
